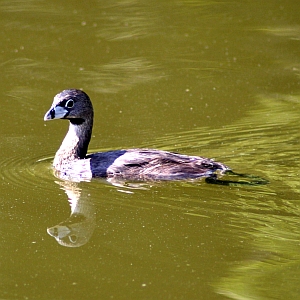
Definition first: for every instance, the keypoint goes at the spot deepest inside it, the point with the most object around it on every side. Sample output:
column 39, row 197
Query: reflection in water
column 263, row 221
column 272, row 265
column 121, row 74
column 183, row 236
column 292, row 32
column 76, row 230
column 28, row 7
column 112, row 77
column 128, row 19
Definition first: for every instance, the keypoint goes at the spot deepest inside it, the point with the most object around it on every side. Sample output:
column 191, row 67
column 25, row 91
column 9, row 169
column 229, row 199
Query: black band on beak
column 52, row 113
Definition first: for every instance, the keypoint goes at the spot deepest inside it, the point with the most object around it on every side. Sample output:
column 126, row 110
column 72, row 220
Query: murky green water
column 218, row 79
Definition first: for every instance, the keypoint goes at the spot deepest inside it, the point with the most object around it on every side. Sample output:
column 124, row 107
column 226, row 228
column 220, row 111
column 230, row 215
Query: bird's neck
column 75, row 143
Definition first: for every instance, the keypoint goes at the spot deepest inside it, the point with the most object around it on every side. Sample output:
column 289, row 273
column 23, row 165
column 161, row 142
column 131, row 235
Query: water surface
column 218, row 79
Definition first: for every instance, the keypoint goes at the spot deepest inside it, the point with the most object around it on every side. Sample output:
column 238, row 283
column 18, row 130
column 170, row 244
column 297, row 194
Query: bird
column 73, row 162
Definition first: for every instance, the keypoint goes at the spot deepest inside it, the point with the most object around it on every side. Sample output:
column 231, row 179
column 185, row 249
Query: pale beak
column 56, row 112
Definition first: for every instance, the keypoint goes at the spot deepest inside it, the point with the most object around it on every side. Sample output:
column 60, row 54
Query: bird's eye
column 69, row 103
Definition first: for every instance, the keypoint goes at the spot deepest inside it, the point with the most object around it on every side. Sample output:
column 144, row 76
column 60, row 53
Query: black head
column 74, row 105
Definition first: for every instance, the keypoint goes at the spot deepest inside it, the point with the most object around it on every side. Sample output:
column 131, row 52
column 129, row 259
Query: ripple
column 271, row 143
column 27, row 172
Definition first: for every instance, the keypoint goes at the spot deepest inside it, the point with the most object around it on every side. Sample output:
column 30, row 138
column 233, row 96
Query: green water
column 212, row 78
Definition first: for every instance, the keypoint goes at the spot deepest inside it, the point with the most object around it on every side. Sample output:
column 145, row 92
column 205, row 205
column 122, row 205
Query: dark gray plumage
column 72, row 162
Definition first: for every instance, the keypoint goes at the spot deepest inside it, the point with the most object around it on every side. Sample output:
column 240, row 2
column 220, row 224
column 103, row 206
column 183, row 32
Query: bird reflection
column 78, row 228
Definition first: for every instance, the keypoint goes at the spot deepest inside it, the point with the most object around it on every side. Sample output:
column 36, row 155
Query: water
column 218, row 79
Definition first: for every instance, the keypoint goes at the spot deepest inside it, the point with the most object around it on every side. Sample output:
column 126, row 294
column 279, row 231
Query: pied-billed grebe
column 72, row 160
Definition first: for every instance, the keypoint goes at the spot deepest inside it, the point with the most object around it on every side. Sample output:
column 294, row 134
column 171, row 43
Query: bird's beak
column 56, row 112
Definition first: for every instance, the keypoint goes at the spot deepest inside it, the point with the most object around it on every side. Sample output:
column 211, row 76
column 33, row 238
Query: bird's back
column 148, row 164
